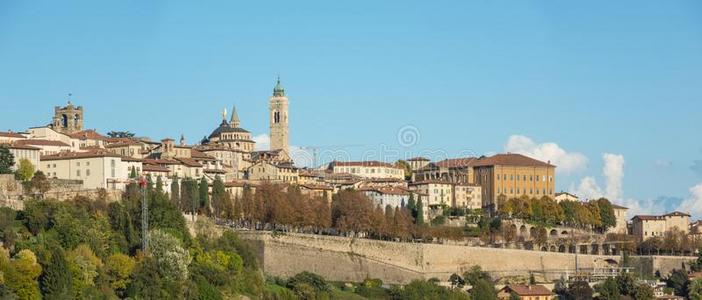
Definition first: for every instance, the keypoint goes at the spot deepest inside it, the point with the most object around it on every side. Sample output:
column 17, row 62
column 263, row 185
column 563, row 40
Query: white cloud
column 567, row 162
column 613, row 172
column 587, row 189
column 263, row 142
column 693, row 204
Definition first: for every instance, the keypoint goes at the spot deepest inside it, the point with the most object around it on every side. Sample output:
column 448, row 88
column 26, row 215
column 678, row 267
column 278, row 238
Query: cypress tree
column 159, row 185
column 412, row 205
column 420, row 212
column 175, row 191
column 56, row 280
column 204, row 196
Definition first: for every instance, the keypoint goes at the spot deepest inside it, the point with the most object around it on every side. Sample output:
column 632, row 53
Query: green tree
column 678, row 281
column 25, row 170
column 84, row 267
column 159, row 184
column 694, row 289
column 218, row 196
column 204, row 196
column 645, row 292
column 406, row 168
column 20, row 274
column 579, row 290
column 56, row 279
column 133, row 173
column 420, row 212
column 175, row 190
column 626, row 283
column 608, row 290
column 412, row 205
column 120, row 134
column 483, row 289
column 7, row 160
column 606, row 212
column 475, row 274
column 119, row 269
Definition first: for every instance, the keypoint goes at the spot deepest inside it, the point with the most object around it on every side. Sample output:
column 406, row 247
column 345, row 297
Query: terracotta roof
column 42, row 143
column 129, row 158
column 189, row 162
column 618, row 206
column 89, row 134
column 566, row 193
column 196, row 154
column 11, row 135
column 316, row 186
column 529, row 290
column 78, row 155
column 676, row 214
column 509, row 159
column 16, row 146
column 369, row 163
column 154, row 168
column 456, row 162
column 429, row 182
column 214, row 171
column 161, row 161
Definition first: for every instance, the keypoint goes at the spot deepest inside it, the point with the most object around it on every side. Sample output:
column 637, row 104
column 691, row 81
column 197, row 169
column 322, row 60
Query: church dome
column 225, row 127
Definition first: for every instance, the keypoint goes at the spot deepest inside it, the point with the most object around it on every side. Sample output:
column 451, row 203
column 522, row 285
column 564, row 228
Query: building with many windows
column 97, row 169
column 512, row 175
column 367, row 169
column 648, row 226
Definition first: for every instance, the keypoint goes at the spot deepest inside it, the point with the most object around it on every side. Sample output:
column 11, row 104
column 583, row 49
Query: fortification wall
column 348, row 259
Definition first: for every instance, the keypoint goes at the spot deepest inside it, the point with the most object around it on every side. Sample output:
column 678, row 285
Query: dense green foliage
column 7, row 160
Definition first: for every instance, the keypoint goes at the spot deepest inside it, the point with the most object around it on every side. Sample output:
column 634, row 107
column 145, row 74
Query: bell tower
column 68, row 119
column 278, row 106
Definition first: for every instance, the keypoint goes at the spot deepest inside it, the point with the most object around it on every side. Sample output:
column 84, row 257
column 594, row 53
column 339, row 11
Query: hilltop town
column 505, row 200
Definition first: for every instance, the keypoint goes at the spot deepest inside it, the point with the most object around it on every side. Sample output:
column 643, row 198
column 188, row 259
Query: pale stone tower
column 279, row 118
column 68, row 119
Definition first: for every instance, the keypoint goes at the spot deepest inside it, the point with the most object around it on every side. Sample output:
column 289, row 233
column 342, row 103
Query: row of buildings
column 63, row 149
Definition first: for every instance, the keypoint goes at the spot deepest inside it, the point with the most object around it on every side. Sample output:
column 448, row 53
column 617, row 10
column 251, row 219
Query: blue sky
column 618, row 77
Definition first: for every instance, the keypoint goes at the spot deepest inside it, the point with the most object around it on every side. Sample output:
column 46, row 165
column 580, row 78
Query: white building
column 367, row 169
column 564, row 196
column 46, row 147
column 47, row 133
column 97, row 169
column 20, row 152
column 10, row 137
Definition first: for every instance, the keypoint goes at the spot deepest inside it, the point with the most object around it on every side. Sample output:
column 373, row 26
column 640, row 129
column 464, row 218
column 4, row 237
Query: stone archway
column 553, row 233
column 552, row 248
column 571, row 249
column 562, row 248
column 532, row 231
column 523, row 230
column 544, row 249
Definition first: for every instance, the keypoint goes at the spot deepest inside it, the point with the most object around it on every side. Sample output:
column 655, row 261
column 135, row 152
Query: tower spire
column 234, row 122
column 278, row 90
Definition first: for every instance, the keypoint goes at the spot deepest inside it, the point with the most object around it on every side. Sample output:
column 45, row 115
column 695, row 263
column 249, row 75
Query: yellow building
column 512, row 175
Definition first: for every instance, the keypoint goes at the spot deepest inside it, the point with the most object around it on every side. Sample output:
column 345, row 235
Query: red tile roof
column 529, row 290
column 189, row 162
column 196, row 154
column 42, row 143
column 16, row 146
column 11, row 135
column 456, row 162
column 78, row 155
column 155, row 168
column 510, row 159
column 310, row 186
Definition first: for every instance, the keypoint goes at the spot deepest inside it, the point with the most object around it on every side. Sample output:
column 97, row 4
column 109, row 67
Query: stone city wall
column 348, row 259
